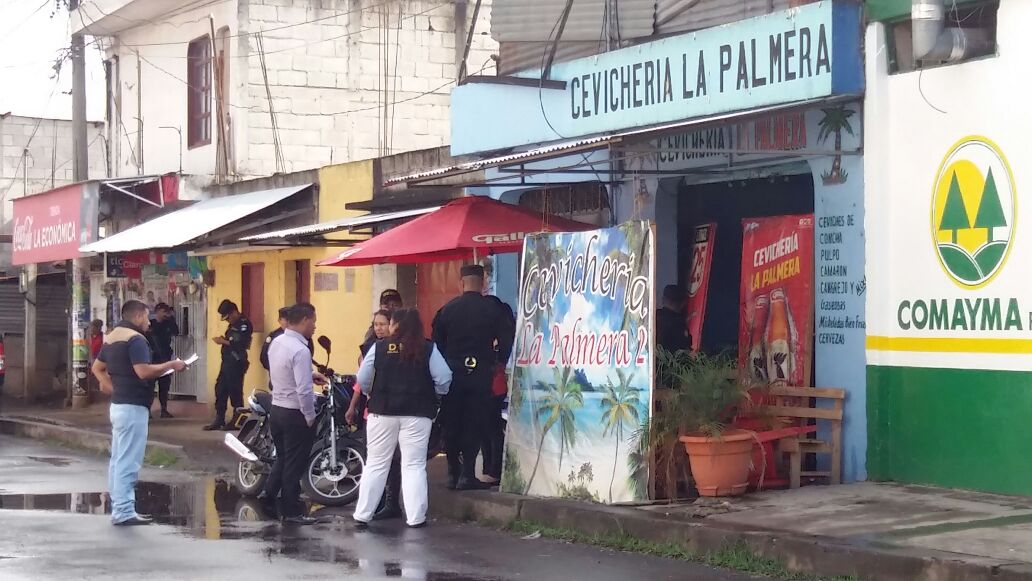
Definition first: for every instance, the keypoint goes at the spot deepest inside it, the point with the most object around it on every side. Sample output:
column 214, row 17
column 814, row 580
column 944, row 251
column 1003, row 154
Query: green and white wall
column 948, row 168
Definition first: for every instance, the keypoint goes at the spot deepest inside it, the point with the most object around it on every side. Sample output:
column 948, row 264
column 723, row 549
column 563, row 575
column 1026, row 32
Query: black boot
column 471, row 483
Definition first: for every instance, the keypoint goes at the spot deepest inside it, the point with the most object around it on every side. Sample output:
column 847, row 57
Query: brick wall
column 328, row 84
column 49, row 152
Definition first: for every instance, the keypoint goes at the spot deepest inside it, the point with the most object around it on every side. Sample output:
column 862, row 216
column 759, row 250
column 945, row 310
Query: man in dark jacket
column 163, row 330
column 467, row 331
column 671, row 332
column 229, row 386
column 124, row 370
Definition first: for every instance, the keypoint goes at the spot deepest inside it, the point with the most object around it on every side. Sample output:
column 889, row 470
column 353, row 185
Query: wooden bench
column 798, row 440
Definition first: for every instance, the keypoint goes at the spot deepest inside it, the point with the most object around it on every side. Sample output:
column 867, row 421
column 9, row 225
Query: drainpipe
column 932, row 41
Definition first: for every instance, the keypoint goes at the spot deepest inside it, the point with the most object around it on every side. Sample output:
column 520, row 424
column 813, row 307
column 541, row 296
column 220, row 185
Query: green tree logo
column 975, row 175
column 955, row 216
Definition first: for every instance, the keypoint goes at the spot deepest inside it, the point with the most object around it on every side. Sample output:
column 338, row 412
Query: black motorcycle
column 337, row 460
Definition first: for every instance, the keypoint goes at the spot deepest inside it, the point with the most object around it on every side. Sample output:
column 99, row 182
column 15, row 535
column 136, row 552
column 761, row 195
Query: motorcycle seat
column 264, row 399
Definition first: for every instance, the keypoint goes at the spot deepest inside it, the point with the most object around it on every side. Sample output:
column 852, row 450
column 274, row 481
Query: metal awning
column 182, row 226
column 566, row 148
column 547, row 152
column 302, row 232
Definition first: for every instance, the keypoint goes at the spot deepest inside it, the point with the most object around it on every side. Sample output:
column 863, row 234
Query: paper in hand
column 189, row 361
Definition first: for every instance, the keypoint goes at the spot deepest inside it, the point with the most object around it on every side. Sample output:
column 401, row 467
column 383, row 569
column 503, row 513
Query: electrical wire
column 21, row 162
column 3, row 37
column 541, row 87
column 272, row 29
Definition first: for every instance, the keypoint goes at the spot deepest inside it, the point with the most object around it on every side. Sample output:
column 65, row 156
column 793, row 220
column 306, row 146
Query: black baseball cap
column 162, row 307
column 472, row 270
column 227, row 308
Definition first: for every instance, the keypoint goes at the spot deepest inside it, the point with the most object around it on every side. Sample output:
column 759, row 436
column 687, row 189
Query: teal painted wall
column 958, row 428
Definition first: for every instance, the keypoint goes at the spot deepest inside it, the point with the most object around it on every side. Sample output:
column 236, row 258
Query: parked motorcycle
column 337, row 459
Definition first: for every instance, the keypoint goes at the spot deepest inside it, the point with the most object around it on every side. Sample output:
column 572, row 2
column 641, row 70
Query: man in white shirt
column 293, row 411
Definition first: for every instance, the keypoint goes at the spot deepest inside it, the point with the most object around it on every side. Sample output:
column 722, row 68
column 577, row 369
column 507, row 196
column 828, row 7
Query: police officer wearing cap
column 230, row 383
column 466, row 331
column 263, row 358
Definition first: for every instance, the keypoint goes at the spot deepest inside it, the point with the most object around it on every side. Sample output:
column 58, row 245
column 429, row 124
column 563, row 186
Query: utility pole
column 79, row 268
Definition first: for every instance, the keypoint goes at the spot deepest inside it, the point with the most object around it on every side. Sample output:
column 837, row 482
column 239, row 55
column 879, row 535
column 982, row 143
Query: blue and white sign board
column 795, row 55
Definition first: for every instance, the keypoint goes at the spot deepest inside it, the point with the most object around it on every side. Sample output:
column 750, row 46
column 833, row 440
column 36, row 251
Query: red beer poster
column 775, row 331
column 698, row 283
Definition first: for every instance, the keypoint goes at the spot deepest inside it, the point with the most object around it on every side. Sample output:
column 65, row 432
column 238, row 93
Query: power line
column 361, row 30
column 4, row 36
column 273, row 29
column 39, row 121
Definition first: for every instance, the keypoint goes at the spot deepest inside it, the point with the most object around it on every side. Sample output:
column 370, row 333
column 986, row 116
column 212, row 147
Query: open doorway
column 726, row 204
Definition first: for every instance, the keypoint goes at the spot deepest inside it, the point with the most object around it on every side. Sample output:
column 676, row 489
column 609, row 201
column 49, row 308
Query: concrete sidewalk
column 868, row 530
column 90, row 429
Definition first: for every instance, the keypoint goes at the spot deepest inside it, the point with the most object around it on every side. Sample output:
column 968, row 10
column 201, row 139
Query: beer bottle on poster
column 779, row 349
column 757, row 351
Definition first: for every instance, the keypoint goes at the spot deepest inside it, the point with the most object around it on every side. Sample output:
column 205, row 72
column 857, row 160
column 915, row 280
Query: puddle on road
column 213, row 509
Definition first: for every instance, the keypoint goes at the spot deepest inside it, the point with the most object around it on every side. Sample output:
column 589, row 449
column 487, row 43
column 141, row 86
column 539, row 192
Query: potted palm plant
column 706, row 393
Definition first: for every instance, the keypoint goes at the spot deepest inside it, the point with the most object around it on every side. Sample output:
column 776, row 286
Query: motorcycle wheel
column 250, row 478
column 327, row 487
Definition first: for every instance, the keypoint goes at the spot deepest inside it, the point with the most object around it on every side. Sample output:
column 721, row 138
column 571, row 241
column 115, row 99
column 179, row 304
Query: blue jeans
column 128, row 445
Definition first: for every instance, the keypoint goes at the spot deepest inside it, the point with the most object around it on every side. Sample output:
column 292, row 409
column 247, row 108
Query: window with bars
column 198, row 105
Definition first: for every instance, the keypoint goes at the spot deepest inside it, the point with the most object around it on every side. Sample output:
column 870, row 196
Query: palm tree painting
column 620, row 406
column 557, row 408
column 582, row 388
column 834, row 122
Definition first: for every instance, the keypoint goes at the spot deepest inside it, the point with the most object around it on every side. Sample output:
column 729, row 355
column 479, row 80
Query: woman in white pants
column 403, row 375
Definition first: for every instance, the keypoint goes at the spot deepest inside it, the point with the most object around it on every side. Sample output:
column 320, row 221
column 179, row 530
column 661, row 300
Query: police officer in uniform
column 230, row 382
column 466, row 330
column 264, row 357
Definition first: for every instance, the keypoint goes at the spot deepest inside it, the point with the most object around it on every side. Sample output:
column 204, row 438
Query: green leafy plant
column 707, row 391
column 697, row 394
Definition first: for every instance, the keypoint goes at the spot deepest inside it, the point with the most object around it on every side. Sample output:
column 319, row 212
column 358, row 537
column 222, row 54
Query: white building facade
column 246, row 88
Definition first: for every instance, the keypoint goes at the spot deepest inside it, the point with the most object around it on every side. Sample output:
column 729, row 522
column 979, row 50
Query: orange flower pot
column 720, row 466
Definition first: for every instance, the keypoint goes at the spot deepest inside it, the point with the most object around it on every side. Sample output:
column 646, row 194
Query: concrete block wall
column 329, row 86
column 49, row 144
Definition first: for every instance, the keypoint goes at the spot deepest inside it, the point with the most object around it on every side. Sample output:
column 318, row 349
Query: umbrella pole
column 474, row 255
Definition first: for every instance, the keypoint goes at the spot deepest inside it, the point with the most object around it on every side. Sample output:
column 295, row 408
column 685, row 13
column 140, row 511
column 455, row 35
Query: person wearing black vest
column 124, row 370
column 403, row 375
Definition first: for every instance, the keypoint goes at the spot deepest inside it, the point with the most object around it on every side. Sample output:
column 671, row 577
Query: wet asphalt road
column 53, row 526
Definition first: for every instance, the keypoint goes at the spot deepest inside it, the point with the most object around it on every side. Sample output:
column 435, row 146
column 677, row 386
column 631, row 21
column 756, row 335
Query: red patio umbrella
column 474, row 224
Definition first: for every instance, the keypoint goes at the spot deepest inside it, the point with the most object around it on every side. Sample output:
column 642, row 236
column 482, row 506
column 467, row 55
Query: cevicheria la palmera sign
column 803, row 53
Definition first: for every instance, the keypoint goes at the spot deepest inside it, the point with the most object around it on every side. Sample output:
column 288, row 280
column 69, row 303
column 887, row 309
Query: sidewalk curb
column 80, row 438
column 816, row 555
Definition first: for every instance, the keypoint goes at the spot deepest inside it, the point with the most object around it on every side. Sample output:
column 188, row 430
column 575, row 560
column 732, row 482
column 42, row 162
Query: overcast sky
column 32, row 36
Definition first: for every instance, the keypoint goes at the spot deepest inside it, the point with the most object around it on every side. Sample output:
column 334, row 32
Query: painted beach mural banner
column 775, row 331
column 581, row 388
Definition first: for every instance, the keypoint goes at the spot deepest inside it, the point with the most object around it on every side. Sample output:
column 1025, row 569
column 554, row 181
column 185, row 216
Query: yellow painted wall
column 343, row 314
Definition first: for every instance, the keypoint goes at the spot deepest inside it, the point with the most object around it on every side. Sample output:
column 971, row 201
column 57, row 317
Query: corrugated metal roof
column 673, row 16
column 179, row 227
column 535, row 20
column 502, row 160
column 523, row 27
column 515, row 57
column 338, row 225
column 636, row 134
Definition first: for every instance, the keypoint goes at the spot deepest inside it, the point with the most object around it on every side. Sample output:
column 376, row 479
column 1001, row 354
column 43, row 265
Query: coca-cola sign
column 51, row 226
